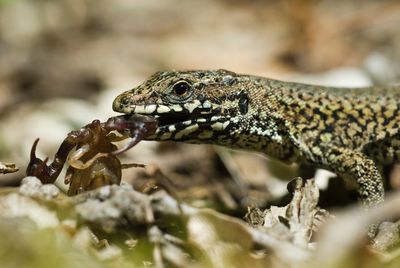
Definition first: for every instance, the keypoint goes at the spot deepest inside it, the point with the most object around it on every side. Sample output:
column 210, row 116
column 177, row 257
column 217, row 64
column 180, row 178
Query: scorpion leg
column 136, row 126
column 112, row 137
column 126, row 166
column 68, row 177
column 135, row 138
column 74, row 161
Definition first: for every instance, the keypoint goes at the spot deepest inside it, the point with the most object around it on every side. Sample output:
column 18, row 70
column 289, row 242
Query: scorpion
column 94, row 161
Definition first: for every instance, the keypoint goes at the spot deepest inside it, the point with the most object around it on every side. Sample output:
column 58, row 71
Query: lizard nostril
column 124, row 100
column 120, row 103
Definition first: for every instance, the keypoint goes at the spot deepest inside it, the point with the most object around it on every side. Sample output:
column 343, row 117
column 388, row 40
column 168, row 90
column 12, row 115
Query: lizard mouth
column 182, row 122
column 165, row 120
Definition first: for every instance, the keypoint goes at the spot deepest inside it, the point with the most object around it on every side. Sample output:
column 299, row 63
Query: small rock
column 8, row 168
column 33, row 187
column 110, row 206
column 49, row 191
column 388, row 235
column 30, row 186
column 104, row 192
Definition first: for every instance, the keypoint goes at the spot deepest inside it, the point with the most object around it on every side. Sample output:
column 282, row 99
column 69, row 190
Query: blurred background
column 63, row 62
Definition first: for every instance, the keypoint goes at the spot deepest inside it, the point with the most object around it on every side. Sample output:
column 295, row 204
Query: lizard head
column 192, row 106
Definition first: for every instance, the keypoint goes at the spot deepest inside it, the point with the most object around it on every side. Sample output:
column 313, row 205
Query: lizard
column 349, row 131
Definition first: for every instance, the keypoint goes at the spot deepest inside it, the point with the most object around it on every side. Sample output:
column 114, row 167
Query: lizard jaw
column 189, row 121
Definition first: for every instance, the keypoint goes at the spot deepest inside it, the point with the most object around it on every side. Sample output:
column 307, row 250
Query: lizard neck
column 282, row 115
column 264, row 127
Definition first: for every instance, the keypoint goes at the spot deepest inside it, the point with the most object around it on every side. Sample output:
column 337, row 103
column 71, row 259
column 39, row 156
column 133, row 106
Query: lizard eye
column 181, row 90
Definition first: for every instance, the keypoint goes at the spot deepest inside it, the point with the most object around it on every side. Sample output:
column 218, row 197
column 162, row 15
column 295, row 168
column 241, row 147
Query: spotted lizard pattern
column 350, row 131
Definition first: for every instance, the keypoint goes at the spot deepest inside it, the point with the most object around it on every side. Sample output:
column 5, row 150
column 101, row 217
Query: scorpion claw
column 129, row 145
column 135, row 126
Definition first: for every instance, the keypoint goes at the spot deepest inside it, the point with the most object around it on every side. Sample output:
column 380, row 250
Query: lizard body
column 351, row 132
